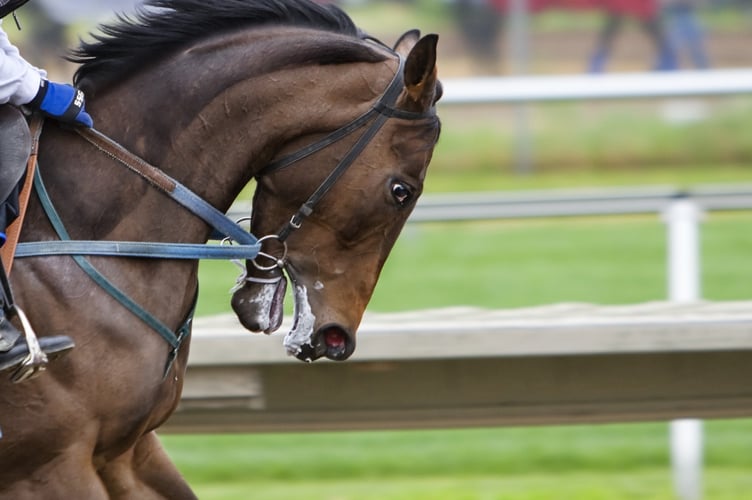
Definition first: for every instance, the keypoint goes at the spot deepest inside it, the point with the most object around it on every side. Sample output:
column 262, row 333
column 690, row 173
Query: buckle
column 36, row 361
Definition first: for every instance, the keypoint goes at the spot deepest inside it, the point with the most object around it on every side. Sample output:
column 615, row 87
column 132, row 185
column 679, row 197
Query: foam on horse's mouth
column 298, row 339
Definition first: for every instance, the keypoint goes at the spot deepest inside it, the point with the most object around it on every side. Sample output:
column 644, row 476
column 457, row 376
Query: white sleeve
column 19, row 80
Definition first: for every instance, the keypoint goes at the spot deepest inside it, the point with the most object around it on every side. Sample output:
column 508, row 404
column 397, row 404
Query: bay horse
column 336, row 128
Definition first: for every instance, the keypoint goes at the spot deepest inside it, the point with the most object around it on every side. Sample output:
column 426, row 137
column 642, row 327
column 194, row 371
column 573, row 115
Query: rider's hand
column 62, row 102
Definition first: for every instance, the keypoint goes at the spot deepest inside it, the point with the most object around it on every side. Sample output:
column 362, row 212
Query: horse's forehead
column 413, row 143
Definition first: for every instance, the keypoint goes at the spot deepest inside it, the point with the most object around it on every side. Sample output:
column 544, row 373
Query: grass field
column 607, row 462
column 632, row 142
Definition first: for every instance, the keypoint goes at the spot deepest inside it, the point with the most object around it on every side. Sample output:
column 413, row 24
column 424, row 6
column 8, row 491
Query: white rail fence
column 529, row 89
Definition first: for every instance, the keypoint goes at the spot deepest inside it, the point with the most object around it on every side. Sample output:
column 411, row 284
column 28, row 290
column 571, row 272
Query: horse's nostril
column 331, row 341
column 338, row 344
column 335, row 338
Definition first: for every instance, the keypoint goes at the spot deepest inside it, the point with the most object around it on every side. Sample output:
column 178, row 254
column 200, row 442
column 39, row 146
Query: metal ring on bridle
column 279, row 262
column 228, row 239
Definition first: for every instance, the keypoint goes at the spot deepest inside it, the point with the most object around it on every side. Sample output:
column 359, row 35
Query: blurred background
column 545, row 149
column 500, row 36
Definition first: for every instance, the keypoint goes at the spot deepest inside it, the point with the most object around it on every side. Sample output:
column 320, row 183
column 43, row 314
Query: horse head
column 336, row 128
column 335, row 245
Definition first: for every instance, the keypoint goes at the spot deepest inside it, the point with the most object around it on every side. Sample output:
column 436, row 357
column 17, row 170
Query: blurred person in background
column 22, row 84
column 480, row 24
column 647, row 13
column 685, row 32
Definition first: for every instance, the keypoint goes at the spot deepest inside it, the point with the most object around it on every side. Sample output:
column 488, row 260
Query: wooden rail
column 460, row 367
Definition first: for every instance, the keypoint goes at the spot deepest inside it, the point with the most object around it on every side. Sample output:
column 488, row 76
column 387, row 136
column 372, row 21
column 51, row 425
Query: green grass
column 651, row 485
column 677, row 177
column 509, row 264
column 609, row 462
column 594, row 144
column 566, row 449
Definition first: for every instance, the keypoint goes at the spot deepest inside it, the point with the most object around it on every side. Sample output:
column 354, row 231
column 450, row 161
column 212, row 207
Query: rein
column 248, row 247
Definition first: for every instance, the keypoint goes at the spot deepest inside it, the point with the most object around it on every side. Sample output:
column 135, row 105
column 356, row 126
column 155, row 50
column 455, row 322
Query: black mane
column 160, row 26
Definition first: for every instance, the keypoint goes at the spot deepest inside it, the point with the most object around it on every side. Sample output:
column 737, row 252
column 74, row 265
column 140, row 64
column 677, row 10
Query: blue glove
column 62, row 102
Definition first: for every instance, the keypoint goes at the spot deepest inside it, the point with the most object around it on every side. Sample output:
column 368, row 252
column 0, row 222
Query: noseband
column 378, row 115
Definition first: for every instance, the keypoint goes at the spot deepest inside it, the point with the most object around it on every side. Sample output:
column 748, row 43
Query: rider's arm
column 19, row 80
column 23, row 84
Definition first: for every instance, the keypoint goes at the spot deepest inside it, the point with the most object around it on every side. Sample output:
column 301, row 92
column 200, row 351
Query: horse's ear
column 421, row 75
column 406, row 42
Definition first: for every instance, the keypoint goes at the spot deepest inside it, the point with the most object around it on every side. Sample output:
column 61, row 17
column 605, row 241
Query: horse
column 199, row 98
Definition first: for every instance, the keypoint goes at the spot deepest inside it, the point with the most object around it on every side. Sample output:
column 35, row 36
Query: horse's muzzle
column 331, row 341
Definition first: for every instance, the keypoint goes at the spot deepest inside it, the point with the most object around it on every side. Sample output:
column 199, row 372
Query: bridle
column 382, row 110
column 244, row 244
column 378, row 114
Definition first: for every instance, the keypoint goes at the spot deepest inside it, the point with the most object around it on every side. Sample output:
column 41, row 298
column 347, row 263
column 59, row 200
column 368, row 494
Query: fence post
column 518, row 55
column 683, row 218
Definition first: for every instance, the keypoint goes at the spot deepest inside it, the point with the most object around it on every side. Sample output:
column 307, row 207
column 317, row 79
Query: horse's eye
column 401, row 193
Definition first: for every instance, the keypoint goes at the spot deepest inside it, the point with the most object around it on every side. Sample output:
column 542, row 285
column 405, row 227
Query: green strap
column 172, row 339
column 183, row 333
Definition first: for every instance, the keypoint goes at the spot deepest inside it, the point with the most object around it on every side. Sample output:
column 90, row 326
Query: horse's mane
column 161, row 26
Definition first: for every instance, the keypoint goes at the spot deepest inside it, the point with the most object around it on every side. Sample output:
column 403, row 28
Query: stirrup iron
column 36, row 361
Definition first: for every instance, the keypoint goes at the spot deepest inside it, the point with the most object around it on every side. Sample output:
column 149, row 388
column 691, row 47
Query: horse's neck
column 217, row 146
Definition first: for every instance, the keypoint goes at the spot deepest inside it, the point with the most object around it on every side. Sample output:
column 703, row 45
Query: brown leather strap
column 13, row 231
column 147, row 171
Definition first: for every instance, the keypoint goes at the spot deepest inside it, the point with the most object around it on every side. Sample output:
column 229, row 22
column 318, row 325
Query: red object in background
column 642, row 9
